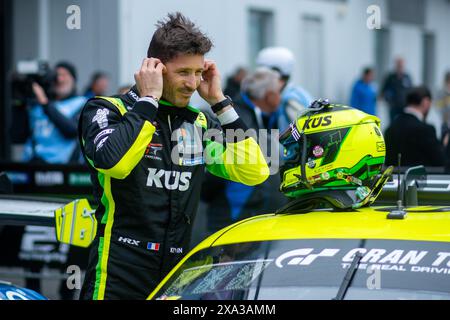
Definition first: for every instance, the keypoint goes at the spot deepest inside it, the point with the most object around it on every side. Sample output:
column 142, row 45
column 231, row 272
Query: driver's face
column 182, row 78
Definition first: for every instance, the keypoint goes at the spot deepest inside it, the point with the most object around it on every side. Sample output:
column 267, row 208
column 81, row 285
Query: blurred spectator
column 395, row 88
column 364, row 95
column 98, row 86
column 409, row 135
column 124, row 89
column 443, row 103
column 233, row 85
column 230, row 201
column 294, row 98
column 54, row 119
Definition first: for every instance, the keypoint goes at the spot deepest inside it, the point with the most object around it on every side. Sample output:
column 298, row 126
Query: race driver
column 147, row 162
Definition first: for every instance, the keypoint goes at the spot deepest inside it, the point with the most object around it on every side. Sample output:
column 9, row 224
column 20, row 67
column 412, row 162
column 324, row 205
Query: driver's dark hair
column 177, row 35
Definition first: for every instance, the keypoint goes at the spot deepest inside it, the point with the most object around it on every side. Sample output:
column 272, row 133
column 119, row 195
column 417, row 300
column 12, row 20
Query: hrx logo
column 303, row 257
column 129, row 241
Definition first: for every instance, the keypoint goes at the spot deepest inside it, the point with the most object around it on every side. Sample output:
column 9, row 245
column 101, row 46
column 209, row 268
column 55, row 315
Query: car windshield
column 313, row 269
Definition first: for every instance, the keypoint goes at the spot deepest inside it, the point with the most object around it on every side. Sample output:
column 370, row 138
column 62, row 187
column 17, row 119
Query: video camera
column 28, row 72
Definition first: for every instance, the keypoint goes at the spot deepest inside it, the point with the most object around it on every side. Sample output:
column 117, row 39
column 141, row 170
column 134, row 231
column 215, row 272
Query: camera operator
column 54, row 119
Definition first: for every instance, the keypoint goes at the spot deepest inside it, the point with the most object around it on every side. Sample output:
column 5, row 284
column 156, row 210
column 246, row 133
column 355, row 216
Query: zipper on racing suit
column 187, row 219
column 166, row 233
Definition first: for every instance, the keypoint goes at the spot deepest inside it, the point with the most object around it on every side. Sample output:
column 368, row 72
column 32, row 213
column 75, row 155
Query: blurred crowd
column 47, row 105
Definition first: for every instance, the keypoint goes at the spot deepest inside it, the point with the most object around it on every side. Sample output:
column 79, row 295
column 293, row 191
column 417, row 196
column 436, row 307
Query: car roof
column 426, row 223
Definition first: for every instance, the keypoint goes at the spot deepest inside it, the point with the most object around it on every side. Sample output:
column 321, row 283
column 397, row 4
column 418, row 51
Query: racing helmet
column 279, row 58
column 335, row 152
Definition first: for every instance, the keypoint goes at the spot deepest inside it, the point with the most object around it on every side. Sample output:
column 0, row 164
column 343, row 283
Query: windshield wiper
column 346, row 282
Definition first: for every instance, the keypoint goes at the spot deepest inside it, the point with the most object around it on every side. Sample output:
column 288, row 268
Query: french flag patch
column 153, row 246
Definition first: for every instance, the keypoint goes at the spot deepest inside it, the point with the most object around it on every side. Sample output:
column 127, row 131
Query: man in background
column 395, row 88
column 294, row 99
column 54, row 119
column 98, row 86
column 233, row 85
column 411, row 136
column 363, row 96
column 230, row 201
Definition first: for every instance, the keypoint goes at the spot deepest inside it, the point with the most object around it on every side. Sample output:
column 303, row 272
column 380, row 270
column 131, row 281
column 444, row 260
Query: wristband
column 222, row 104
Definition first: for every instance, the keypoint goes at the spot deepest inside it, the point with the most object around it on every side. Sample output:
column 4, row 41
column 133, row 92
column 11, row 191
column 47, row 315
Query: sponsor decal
column 362, row 192
column 319, row 177
column 101, row 143
column 48, row 178
column 193, row 162
column 170, row 180
column 80, row 179
column 325, row 168
column 152, row 151
column 176, row 250
column 352, row 179
column 318, row 151
column 311, row 164
column 129, row 241
column 188, row 140
column 101, row 118
column 381, row 146
column 133, row 95
column 325, row 176
column 317, row 122
column 303, row 257
column 154, row 246
column 295, row 134
column 18, row 177
column 102, row 133
column 399, row 260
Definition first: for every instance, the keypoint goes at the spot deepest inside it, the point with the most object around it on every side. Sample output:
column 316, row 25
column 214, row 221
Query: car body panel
column 9, row 291
column 364, row 223
column 424, row 223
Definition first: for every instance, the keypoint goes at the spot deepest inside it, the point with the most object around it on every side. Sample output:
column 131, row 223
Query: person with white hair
column 294, row 98
column 257, row 106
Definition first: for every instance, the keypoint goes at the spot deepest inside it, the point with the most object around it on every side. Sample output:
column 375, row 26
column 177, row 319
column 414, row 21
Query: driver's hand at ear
column 149, row 78
column 210, row 87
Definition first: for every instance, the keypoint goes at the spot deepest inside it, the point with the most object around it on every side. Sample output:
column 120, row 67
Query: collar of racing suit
column 188, row 113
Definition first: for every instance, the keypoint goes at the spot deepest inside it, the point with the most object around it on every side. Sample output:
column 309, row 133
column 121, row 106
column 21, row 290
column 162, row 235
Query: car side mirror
column 75, row 223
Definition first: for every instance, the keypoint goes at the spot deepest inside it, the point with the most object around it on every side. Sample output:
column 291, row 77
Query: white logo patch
column 101, row 143
column 303, row 256
column 134, row 95
column 176, row 250
column 102, row 133
column 129, row 241
column 101, row 118
column 179, row 182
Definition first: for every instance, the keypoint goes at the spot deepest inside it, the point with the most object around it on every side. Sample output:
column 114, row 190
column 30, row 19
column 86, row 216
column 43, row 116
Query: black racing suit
column 147, row 202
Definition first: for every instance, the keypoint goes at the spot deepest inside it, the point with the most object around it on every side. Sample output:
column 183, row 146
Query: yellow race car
column 367, row 253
